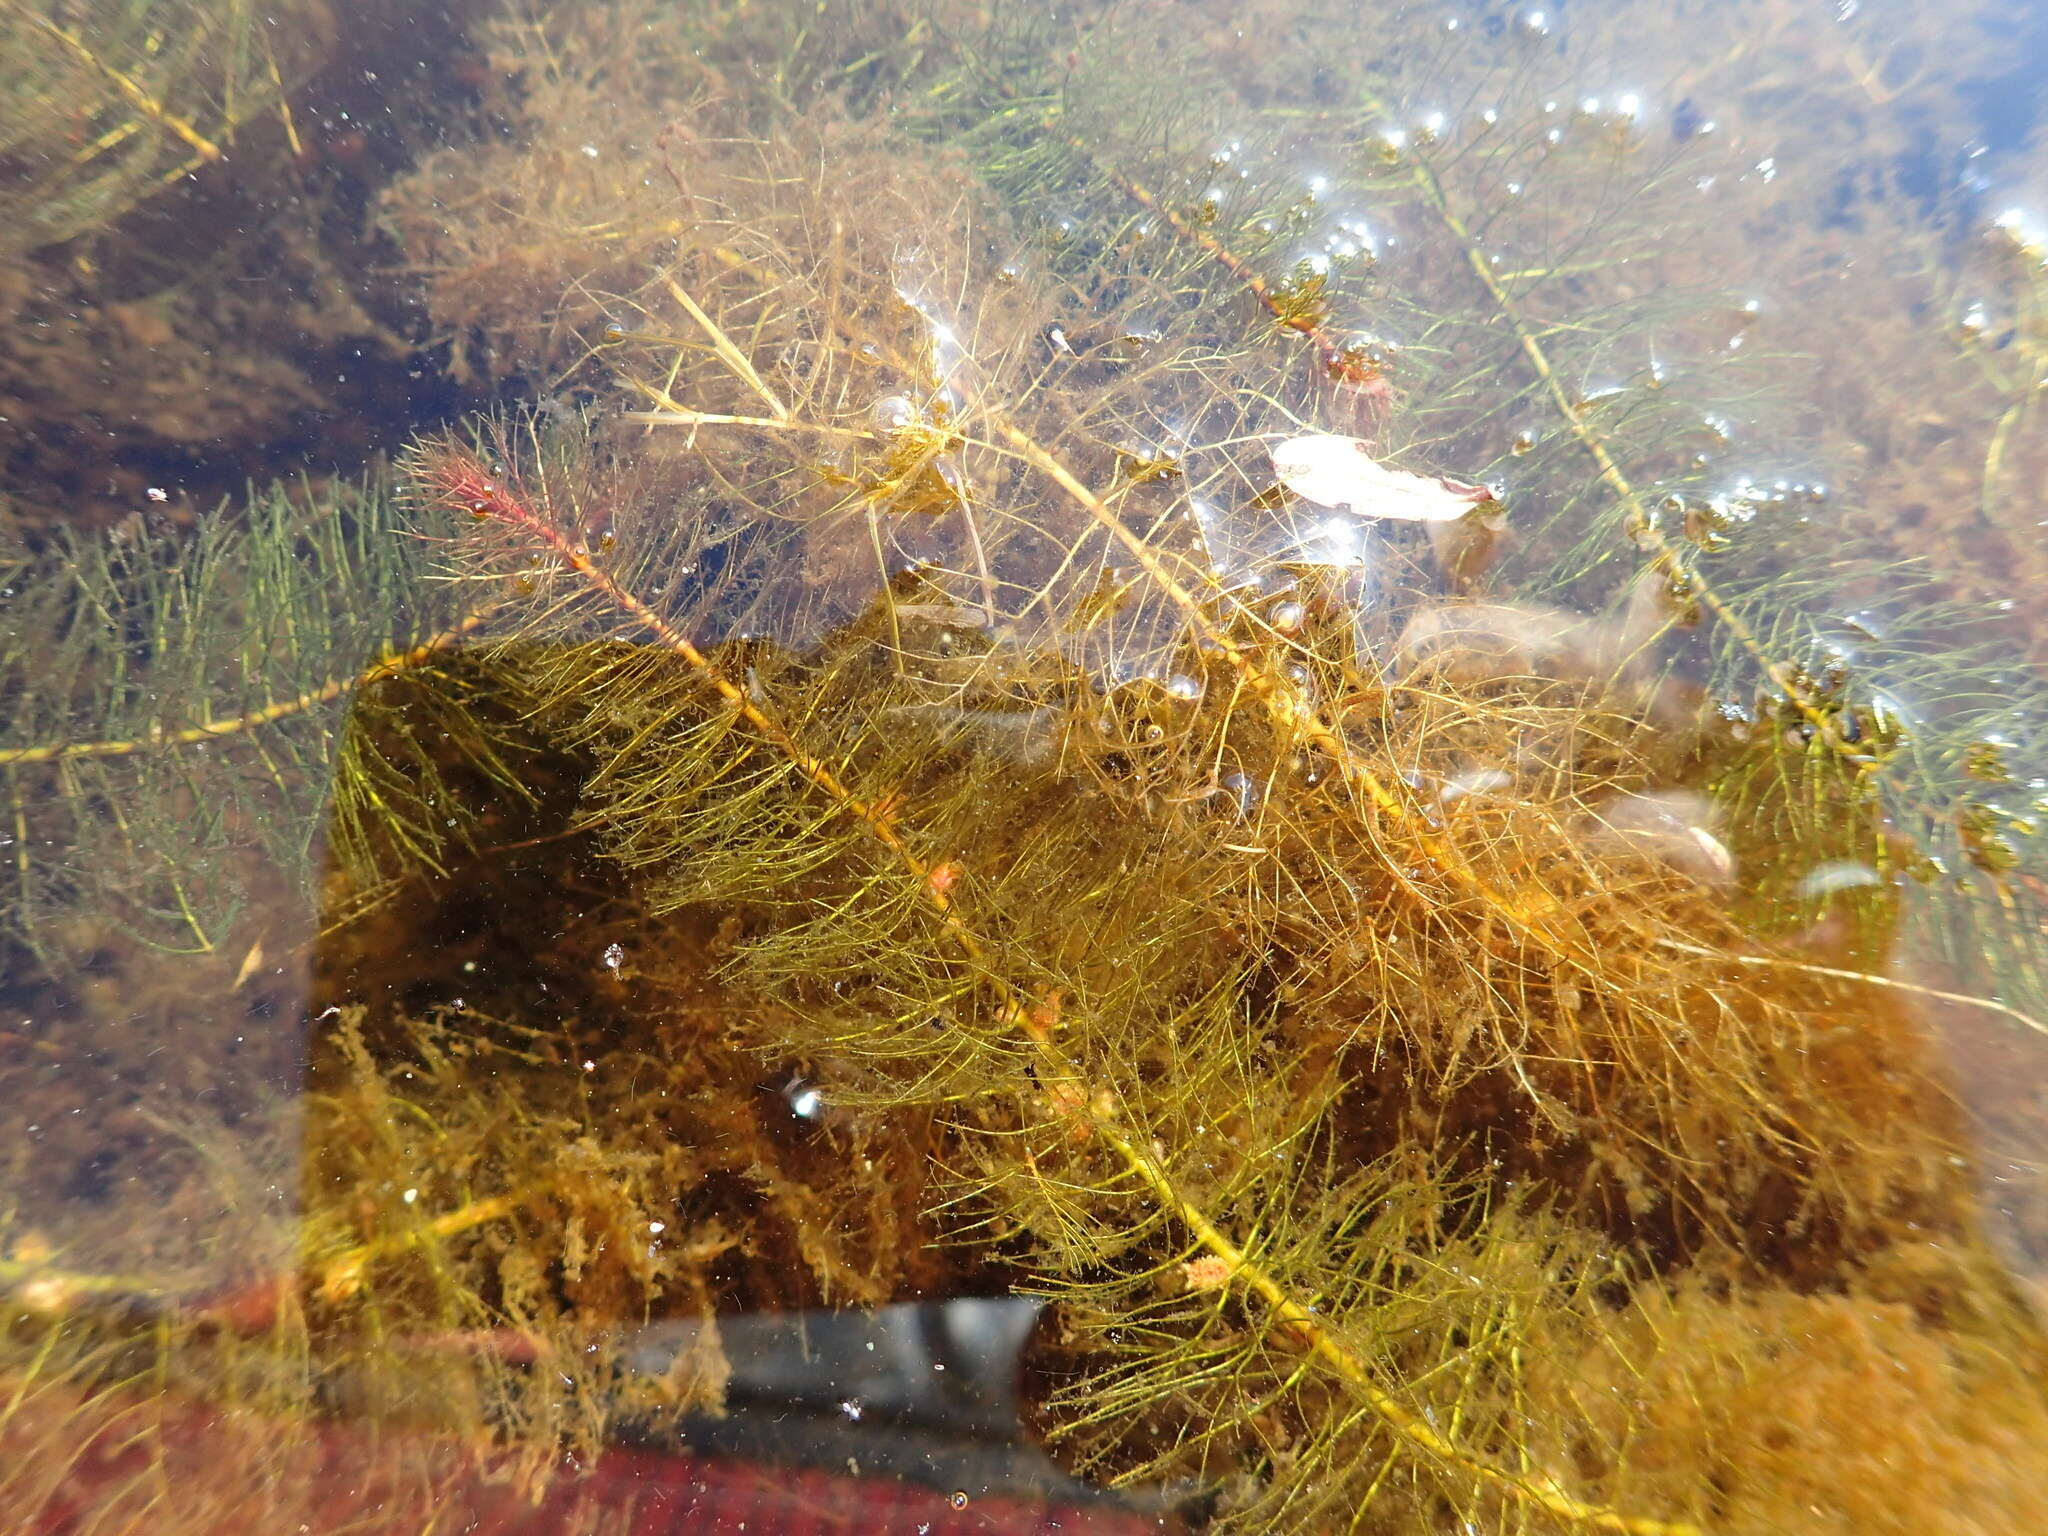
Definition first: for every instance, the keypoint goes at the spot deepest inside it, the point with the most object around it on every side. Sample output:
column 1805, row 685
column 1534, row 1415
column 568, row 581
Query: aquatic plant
column 1416, row 995
column 108, row 103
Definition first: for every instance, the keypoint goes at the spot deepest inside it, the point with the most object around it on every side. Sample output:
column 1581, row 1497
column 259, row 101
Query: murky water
column 940, row 767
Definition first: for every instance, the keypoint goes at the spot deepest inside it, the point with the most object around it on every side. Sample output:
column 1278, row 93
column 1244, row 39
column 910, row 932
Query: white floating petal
column 1334, row 471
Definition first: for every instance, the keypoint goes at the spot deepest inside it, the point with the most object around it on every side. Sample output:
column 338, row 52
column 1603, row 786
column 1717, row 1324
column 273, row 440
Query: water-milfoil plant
column 996, row 829
column 1184, row 885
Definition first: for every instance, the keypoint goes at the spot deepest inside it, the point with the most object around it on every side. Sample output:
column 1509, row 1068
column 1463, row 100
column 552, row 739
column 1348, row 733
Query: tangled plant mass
column 1229, row 925
column 1337, row 878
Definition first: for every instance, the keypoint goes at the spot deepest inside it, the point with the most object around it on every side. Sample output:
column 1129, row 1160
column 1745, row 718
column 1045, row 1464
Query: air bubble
column 1682, row 600
column 1709, row 524
column 805, row 1102
column 892, row 413
column 1244, row 793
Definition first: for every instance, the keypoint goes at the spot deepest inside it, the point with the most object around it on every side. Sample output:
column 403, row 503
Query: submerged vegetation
column 1463, row 955
column 108, row 102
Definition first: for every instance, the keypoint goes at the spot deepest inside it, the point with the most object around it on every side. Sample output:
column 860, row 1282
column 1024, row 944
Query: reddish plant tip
column 457, row 480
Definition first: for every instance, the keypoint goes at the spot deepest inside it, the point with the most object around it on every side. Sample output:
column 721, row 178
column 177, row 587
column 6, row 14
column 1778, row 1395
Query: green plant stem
column 1642, row 524
column 269, row 714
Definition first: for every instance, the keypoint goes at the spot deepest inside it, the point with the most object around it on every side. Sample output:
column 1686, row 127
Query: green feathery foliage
column 1546, row 278
column 179, row 720
column 110, row 102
